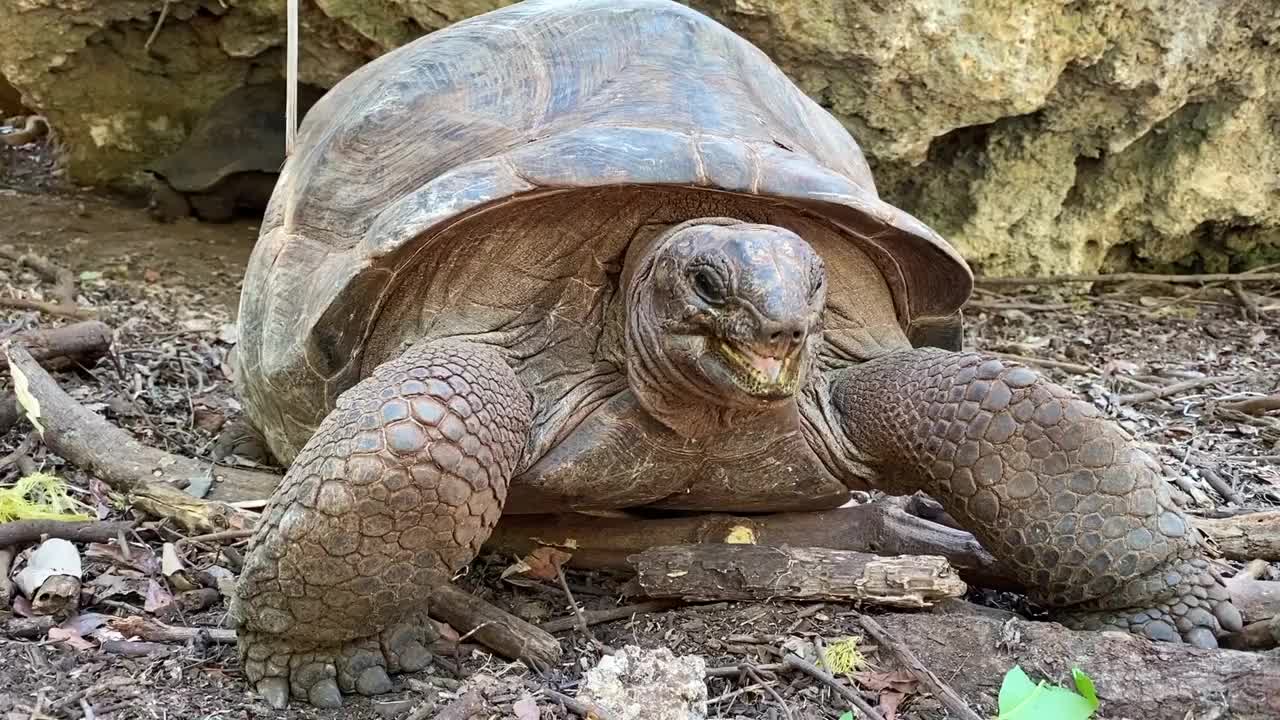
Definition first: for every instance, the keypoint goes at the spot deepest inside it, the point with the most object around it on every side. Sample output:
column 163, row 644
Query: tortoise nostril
column 775, row 337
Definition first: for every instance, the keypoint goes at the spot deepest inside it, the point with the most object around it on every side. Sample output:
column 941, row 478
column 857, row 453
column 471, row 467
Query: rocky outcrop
column 1039, row 136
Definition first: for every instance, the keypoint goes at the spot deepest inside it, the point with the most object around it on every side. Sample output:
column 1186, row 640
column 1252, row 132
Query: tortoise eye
column 708, row 285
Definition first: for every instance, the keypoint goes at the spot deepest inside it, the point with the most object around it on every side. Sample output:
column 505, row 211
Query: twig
column 1251, row 309
column 1219, row 484
column 89, row 692
column 577, row 612
column 232, row 535
column 47, row 308
column 943, row 692
column 1254, row 405
column 156, row 631
column 794, row 662
column 768, row 687
column 22, row 532
column 595, row 617
column 64, row 281
column 164, row 13
column 1173, row 389
column 1254, row 458
column 1045, row 362
column 729, row 671
column 1247, row 276
column 1026, row 306
column 578, row 707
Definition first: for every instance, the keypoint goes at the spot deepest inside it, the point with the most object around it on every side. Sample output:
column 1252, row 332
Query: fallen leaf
column 889, row 702
column 69, row 637
column 170, row 563
column 901, row 681
column 526, row 708
column 151, row 276
column 158, row 598
column 543, row 563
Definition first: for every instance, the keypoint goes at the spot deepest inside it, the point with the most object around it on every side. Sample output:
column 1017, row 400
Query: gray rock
column 640, row 684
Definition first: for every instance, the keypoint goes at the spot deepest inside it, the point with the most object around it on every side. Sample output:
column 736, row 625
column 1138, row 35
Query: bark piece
column 1245, row 537
column 68, row 346
column 22, row 532
column 757, row 572
column 495, row 628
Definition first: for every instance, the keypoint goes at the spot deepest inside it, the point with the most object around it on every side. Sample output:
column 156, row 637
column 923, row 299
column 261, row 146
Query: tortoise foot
column 1186, row 601
column 279, row 671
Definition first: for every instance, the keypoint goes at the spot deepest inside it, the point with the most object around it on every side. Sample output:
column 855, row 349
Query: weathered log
column 1135, row 677
column 880, row 528
column 1245, row 537
column 68, row 346
column 152, row 477
column 500, row 631
column 758, row 572
column 1261, row 635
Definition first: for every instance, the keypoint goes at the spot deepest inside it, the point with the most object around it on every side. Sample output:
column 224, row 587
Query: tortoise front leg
column 397, row 490
column 1057, row 492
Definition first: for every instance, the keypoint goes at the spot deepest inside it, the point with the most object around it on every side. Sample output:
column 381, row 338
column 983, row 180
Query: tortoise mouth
column 760, row 376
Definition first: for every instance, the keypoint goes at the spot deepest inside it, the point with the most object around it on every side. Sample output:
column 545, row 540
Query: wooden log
column 152, row 477
column 1261, row 635
column 68, row 346
column 1135, row 677
column 1245, row 537
column 502, row 632
column 756, row 572
column 880, row 528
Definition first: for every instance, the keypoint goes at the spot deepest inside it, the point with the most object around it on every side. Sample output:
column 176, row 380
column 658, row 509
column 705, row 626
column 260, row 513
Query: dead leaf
column 54, row 556
column 526, row 708
column 141, row 557
column 69, row 637
column 170, row 563
column 543, row 563
column 889, row 702
column 898, row 681
column 158, row 599
column 151, row 276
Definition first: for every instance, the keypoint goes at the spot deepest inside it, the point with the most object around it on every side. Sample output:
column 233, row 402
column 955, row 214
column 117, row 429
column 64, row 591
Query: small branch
column 64, row 347
column 47, row 308
column 941, row 690
column 578, row 707
column 1245, row 537
column 768, row 687
column 1254, row 405
column 24, row 532
column 577, row 612
column 1173, row 389
column 500, row 631
column 156, row 631
column 1251, row 309
column 596, row 617
column 793, row 662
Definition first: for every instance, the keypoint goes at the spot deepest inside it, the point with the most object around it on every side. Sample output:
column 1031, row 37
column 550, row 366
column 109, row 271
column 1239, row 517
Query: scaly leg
column 397, row 489
column 1059, row 493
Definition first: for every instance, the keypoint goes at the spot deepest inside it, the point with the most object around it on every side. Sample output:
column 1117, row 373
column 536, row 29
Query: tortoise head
column 726, row 313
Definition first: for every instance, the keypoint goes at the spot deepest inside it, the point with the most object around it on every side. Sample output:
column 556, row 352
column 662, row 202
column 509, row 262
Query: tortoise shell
column 486, row 180
column 243, row 132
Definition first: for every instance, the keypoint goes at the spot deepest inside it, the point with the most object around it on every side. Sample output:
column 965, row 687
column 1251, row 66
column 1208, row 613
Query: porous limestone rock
column 641, row 684
column 1040, row 136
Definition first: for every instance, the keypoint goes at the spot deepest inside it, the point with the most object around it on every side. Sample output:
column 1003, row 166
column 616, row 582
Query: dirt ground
column 170, row 292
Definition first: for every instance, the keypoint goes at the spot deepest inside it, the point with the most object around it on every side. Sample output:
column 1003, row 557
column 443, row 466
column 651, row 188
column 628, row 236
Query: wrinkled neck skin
column 673, row 393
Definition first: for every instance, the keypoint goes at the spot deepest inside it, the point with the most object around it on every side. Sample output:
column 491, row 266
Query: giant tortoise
column 231, row 160
column 581, row 255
